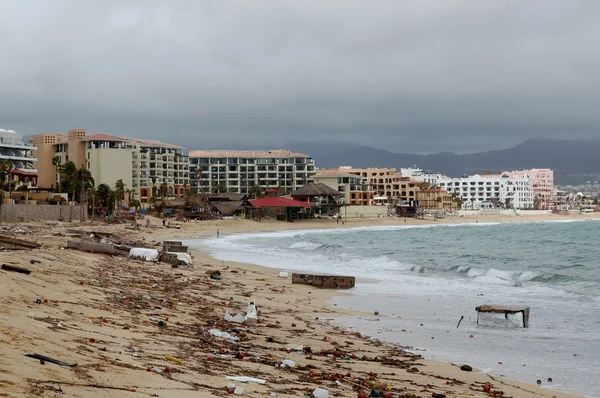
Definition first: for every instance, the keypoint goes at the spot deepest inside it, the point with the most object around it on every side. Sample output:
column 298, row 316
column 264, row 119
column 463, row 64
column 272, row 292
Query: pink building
column 542, row 185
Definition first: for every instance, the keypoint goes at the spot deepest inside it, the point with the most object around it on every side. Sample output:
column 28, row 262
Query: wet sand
column 103, row 313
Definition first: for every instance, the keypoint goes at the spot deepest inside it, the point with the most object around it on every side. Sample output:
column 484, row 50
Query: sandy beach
column 117, row 319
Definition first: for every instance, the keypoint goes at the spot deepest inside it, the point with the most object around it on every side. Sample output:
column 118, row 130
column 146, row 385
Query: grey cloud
column 424, row 76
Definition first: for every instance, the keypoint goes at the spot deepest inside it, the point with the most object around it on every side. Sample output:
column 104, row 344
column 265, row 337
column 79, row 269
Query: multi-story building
column 542, row 183
column 381, row 180
column 149, row 168
column 239, row 171
column 355, row 189
column 19, row 159
column 478, row 191
column 417, row 174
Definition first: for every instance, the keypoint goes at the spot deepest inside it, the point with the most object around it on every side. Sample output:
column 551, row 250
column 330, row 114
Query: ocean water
column 422, row 279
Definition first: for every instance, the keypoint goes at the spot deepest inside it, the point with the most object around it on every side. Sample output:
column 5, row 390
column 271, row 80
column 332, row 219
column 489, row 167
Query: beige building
column 355, row 188
column 384, row 181
column 239, row 171
column 144, row 166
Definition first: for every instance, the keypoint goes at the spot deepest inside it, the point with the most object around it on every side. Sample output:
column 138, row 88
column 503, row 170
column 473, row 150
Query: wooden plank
column 17, row 243
column 14, row 268
column 500, row 309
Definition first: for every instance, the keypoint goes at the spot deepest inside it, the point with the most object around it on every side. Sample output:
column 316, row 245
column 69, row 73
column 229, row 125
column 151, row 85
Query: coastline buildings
column 542, row 182
column 147, row 167
column 383, row 181
column 355, row 189
column 240, row 171
column 495, row 190
column 20, row 169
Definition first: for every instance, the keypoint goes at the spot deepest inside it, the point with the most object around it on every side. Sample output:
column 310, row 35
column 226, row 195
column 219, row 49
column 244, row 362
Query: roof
column 316, row 189
column 273, row 153
column 230, row 196
column 64, row 139
column 278, row 201
column 334, row 173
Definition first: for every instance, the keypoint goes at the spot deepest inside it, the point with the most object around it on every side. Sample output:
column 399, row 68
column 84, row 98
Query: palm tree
column 256, row 192
column 120, row 191
column 82, row 181
column 6, row 167
column 164, row 187
column 56, row 162
column 67, row 173
column 106, row 198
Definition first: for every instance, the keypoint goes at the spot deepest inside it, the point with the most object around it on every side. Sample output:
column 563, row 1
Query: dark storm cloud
column 418, row 75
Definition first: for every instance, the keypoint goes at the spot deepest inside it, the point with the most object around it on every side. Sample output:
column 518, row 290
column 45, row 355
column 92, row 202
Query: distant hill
column 568, row 158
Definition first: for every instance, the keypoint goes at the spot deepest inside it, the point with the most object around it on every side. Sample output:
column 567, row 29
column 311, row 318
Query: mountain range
column 573, row 161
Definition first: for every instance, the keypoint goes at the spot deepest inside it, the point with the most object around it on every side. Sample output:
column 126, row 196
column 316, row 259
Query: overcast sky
column 405, row 75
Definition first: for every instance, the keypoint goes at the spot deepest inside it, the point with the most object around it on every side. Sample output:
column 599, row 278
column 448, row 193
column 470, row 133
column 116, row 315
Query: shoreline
column 374, row 223
column 109, row 327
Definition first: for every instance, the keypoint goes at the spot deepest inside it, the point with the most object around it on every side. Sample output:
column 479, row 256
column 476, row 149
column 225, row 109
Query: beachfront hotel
column 383, row 181
column 239, row 171
column 147, row 167
column 355, row 189
column 18, row 160
column 486, row 191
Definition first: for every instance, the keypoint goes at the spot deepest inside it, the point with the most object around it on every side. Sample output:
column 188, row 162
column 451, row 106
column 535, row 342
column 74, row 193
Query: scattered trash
column 244, row 379
column 251, row 314
column 239, row 318
column 466, row 368
column 14, row 268
column 44, row 359
column 216, row 275
column 223, row 335
column 283, row 274
column 172, row 358
column 141, row 253
column 31, row 315
column 238, row 391
column 321, row 393
column 288, row 363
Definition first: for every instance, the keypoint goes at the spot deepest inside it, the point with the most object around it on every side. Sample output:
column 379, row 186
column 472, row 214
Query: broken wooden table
column 506, row 310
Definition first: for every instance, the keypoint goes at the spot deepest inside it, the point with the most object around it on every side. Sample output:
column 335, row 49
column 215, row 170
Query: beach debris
column 251, row 314
column 549, row 379
column 460, row 320
column 14, row 268
column 31, row 315
column 438, row 395
column 245, row 379
column 33, row 262
column 466, row 368
column 216, row 275
column 376, row 312
column 539, row 382
column 324, row 281
column 223, row 335
column 284, row 274
column 174, row 359
column 43, row 359
column 288, row 363
column 140, row 253
column 238, row 391
column 239, row 318
column 9, row 243
column 320, row 393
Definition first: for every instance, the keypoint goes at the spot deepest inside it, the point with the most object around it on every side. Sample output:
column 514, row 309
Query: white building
column 481, row 191
column 239, row 171
column 417, row 174
column 15, row 152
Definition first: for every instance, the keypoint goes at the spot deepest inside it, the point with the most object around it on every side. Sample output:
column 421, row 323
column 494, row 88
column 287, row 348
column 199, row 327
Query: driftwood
column 324, row 281
column 9, row 243
column 103, row 248
column 14, row 268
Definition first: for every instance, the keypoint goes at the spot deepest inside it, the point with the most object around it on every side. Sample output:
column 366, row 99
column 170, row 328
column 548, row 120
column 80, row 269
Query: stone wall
column 21, row 213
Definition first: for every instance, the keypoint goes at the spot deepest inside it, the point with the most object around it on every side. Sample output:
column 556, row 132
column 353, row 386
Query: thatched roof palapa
column 316, row 189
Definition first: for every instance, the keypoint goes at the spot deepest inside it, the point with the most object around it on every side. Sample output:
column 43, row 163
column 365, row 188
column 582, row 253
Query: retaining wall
column 22, row 213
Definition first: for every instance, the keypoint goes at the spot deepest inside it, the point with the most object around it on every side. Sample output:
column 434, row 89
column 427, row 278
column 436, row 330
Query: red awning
column 278, row 201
